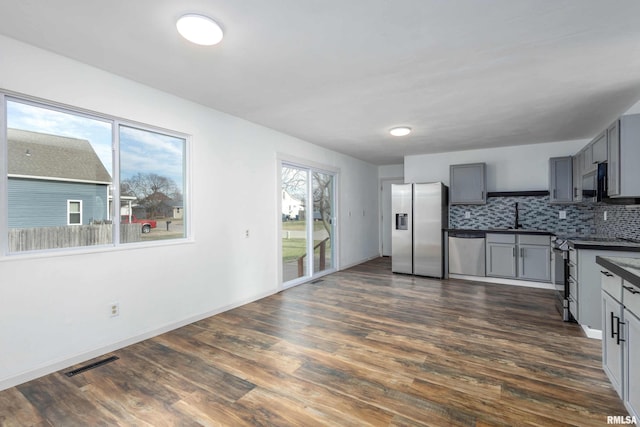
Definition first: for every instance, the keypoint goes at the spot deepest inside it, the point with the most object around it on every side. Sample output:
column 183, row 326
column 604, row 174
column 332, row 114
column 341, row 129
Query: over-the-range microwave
column 594, row 184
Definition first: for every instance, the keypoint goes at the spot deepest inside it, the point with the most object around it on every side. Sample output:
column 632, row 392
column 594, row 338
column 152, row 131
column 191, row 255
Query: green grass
column 301, row 225
column 292, row 249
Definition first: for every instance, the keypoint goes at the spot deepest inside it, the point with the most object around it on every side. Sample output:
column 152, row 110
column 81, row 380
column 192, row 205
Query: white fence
column 37, row 238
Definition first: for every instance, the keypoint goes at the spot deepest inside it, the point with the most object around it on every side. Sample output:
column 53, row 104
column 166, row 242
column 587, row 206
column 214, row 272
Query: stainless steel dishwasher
column 467, row 253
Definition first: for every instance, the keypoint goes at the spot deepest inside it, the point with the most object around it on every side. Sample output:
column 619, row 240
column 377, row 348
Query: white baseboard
column 595, row 334
column 55, row 366
column 353, row 264
column 512, row 282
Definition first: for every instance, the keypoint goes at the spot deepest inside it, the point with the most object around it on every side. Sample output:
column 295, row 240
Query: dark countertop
column 498, row 231
column 627, row 268
column 605, row 246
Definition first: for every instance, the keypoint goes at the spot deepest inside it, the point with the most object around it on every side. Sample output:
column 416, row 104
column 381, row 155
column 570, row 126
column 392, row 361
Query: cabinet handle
column 631, row 289
column 613, row 334
column 514, row 251
column 555, row 192
column 606, row 273
column 575, row 191
column 618, row 339
column 521, row 252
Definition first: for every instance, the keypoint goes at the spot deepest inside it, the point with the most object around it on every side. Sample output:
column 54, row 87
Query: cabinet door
column 613, row 166
column 577, row 178
column 501, row 260
column 467, row 184
column 587, row 159
column 611, row 340
column 534, row 262
column 632, row 368
column 599, row 149
column 560, row 180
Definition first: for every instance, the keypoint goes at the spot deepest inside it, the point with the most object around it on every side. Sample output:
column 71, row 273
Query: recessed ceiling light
column 199, row 29
column 400, row 131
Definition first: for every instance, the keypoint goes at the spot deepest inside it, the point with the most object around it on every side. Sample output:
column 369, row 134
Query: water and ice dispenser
column 402, row 221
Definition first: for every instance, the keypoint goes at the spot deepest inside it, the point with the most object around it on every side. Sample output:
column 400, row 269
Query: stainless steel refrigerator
column 420, row 215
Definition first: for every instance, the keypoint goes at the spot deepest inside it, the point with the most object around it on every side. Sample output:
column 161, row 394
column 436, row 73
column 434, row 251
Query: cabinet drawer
column 573, row 270
column 534, row 240
column 501, row 238
column 573, row 308
column 573, row 288
column 611, row 283
column 631, row 298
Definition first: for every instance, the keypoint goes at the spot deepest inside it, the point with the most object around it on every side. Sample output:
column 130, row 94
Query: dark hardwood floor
column 361, row 347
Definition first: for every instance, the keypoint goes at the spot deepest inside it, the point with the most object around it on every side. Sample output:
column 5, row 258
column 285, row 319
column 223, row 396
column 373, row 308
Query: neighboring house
column 54, row 181
column 178, row 212
column 290, row 207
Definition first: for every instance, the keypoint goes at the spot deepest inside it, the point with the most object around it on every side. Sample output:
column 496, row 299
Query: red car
column 147, row 224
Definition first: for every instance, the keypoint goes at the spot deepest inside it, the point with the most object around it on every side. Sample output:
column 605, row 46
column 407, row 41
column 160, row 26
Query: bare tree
column 322, row 198
column 152, row 191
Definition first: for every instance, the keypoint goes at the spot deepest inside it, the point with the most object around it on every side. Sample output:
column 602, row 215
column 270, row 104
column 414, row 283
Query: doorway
column 308, row 223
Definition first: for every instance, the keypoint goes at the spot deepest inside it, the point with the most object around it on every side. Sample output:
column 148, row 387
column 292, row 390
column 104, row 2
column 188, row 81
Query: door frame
column 285, row 160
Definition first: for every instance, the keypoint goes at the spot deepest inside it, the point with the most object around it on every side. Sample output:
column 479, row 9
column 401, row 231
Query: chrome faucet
column 518, row 225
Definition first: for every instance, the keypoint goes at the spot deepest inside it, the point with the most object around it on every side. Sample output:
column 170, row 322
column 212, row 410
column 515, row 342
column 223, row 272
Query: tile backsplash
column 535, row 213
column 622, row 220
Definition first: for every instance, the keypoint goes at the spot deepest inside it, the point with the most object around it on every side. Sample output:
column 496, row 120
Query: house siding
column 36, row 203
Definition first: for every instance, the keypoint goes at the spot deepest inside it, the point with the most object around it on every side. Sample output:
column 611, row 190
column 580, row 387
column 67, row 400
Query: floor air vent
column 91, row 366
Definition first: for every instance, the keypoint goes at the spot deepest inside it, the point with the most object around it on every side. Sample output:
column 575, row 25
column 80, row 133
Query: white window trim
column 69, row 202
column 5, row 254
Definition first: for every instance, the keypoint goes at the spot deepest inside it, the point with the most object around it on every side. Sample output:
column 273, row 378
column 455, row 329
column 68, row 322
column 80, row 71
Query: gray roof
column 54, row 157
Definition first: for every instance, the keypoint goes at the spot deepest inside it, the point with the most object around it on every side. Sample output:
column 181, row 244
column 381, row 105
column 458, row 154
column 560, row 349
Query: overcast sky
column 140, row 150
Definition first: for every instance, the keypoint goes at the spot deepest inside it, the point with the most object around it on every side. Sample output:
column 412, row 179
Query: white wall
column 390, row 171
column 54, row 309
column 516, row 168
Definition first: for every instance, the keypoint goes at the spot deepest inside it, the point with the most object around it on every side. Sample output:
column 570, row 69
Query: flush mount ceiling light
column 400, row 131
column 199, row 29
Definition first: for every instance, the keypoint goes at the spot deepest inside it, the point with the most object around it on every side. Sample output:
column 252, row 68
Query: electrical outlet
column 562, row 214
column 605, row 216
column 246, row 233
column 467, row 215
column 114, row 309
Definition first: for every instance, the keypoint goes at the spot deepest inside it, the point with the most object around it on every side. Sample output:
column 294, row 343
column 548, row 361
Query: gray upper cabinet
column 599, row 149
column 467, row 184
column 561, row 179
column 624, row 152
column 577, row 178
column 613, row 166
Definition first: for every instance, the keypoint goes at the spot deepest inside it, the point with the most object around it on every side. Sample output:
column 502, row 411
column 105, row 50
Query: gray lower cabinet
column 467, row 184
column 586, row 274
column 501, row 259
column 534, row 262
column 517, row 256
column 611, row 340
column 632, row 368
column 561, row 179
column 621, row 338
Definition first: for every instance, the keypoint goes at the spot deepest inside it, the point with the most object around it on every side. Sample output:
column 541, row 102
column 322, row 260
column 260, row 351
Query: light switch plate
column 562, row 214
column 467, row 215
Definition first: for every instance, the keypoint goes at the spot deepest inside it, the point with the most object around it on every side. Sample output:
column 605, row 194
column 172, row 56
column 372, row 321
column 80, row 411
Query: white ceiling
column 463, row 74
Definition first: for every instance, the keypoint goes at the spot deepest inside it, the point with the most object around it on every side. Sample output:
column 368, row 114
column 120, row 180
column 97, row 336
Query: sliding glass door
column 308, row 225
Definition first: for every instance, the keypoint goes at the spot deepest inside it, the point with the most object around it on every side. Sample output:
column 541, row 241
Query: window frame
column 115, row 123
column 69, row 203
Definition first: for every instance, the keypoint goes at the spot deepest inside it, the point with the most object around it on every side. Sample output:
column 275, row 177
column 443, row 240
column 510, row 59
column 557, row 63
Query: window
column 74, row 212
column 68, row 173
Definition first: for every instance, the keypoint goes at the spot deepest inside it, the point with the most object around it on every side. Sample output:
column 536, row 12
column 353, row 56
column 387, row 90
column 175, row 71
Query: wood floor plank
column 361, row 347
